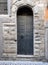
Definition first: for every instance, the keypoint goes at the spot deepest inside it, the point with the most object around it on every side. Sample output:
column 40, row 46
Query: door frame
column 33, row 33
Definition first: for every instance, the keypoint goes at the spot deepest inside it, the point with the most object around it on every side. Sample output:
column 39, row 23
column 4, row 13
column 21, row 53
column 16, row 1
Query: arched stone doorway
column 25, row 31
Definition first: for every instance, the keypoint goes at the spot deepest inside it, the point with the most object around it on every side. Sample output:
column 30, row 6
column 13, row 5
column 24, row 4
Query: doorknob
column 22, row 36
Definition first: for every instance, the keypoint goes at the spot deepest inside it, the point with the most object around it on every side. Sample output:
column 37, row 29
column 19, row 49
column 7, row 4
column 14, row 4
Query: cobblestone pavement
column 22, row 63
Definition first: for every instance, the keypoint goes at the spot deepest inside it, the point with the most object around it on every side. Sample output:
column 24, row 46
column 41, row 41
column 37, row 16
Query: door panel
column 25, row 35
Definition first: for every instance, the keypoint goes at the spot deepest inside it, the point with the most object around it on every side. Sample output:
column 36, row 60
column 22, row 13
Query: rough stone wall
column 9, row 26
column 8, row 37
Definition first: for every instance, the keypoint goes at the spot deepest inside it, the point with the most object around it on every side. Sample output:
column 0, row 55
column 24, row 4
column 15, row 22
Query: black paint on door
column 25, row 31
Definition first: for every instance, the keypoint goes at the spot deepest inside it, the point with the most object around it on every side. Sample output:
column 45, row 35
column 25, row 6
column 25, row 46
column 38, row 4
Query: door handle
column 22, row 36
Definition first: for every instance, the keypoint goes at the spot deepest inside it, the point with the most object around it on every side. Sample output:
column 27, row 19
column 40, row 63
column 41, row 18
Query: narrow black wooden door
column 25, row 35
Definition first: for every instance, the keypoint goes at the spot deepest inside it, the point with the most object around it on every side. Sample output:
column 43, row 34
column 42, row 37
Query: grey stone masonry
column 8, row 32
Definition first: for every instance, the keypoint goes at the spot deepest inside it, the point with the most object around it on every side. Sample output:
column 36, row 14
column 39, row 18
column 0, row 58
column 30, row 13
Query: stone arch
column 27, row 9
